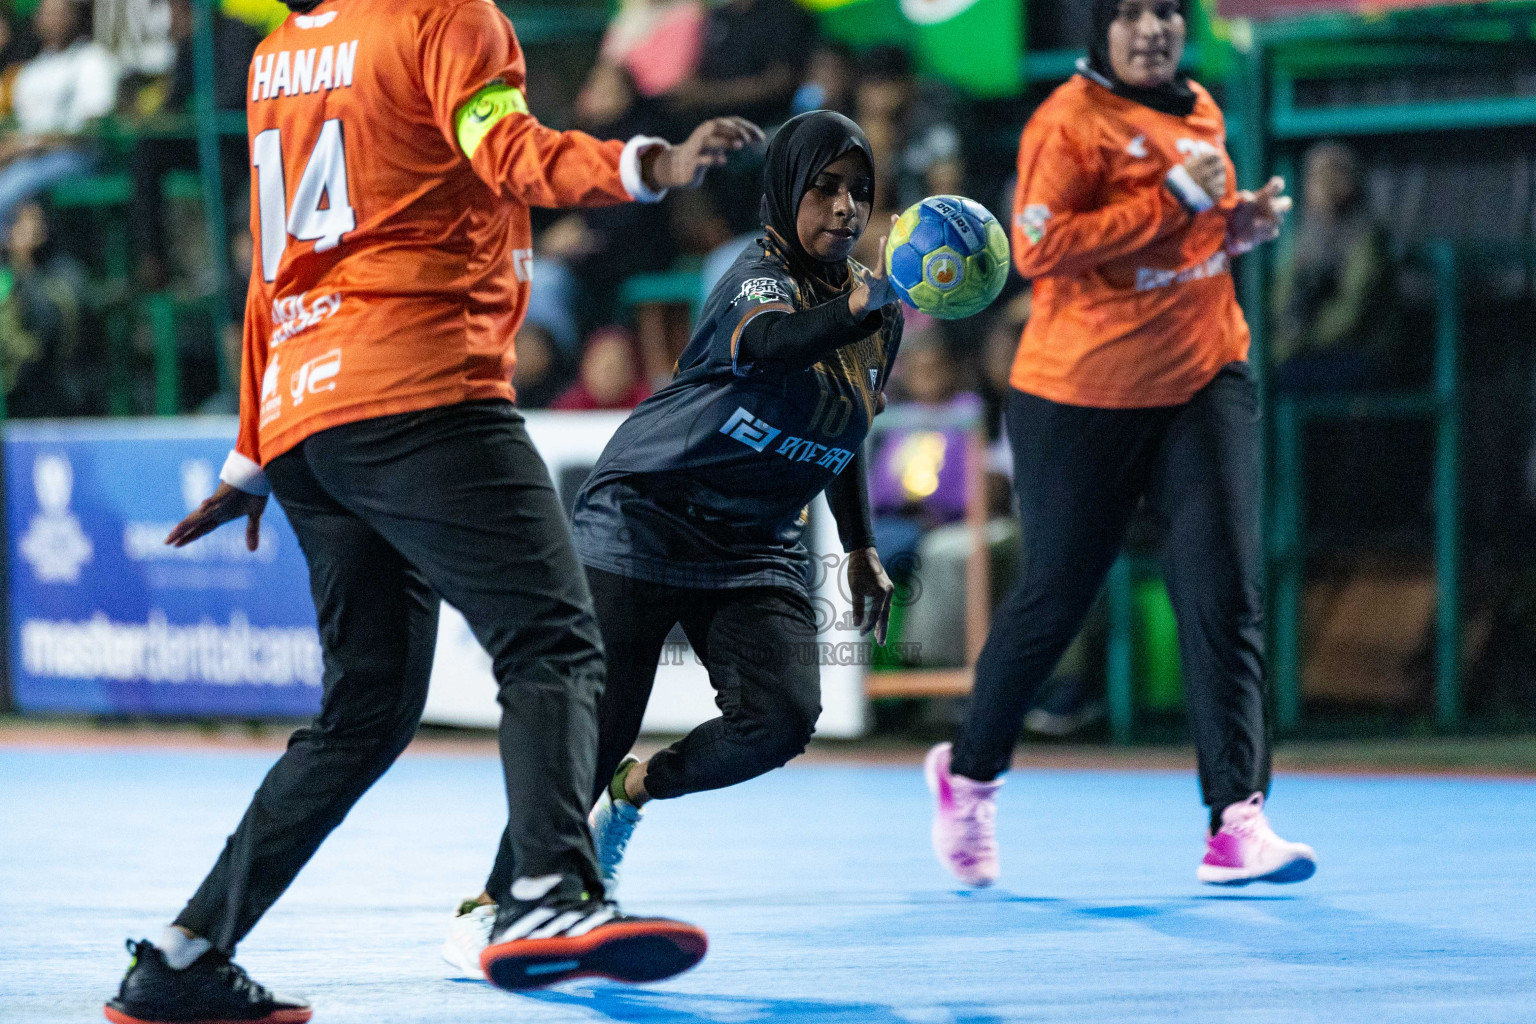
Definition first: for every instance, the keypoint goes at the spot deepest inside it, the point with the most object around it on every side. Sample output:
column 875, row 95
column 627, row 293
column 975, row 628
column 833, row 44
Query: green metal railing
column 1265, row 125
column 1439, row 404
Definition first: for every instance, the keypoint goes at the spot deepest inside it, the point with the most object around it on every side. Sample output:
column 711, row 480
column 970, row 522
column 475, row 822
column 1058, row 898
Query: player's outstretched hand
column 871, row 590
column 1257, row 217
column 876, row 290
column 227, row 504
column 710, row 145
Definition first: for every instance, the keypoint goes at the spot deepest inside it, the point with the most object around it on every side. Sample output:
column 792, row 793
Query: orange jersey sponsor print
column 393, row 165
column 1133, row 298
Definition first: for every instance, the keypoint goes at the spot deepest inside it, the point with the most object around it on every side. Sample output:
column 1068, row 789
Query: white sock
column 180, row 951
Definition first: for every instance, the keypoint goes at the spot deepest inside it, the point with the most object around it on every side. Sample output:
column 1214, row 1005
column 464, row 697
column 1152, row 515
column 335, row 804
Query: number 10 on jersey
column 324, row 180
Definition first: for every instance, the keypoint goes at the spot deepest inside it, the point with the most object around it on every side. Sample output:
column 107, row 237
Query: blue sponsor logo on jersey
column 749, row 430
column 759, row 434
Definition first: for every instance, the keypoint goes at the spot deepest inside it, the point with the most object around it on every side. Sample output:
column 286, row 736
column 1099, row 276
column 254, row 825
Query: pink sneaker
column 964, row 821
column 1247, row 850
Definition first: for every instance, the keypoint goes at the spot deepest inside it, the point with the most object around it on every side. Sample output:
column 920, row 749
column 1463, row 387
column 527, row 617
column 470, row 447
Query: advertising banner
column 105, row 619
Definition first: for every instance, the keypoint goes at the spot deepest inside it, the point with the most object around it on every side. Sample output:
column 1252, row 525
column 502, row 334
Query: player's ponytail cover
column 802, row 149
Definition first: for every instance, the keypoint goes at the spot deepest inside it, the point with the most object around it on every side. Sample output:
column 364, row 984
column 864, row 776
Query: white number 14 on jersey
column 324, row 179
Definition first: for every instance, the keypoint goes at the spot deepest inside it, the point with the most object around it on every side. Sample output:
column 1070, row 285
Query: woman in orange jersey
column 394, row 161
column 1131, row 383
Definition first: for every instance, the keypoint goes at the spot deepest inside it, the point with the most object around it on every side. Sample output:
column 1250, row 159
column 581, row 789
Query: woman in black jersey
column 695, row 511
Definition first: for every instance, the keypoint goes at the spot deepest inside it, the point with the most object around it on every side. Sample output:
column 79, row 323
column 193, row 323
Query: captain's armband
column 483, row 111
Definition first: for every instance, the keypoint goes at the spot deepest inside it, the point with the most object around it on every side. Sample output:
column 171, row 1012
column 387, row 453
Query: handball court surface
column 817, row 887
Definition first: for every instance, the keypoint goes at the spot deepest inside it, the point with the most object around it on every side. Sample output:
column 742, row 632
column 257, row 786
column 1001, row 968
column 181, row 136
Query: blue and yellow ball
column 948, row 257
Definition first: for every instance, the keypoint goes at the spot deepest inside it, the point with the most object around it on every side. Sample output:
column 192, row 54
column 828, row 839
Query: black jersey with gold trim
column 707, row 482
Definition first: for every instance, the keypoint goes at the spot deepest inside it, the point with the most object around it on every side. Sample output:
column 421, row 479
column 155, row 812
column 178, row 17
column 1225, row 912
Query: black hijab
column 1175, row 97
column 802, row 149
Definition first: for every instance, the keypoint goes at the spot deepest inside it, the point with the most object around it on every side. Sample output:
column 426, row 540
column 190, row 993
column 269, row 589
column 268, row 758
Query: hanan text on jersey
column 296, row 72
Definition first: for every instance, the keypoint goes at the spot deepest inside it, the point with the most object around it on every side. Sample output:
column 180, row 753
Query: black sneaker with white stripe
column 551, row 931
column 213, row 990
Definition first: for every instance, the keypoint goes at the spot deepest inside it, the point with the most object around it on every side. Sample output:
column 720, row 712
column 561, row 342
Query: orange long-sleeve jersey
column 394, row 162
column 1133, row 298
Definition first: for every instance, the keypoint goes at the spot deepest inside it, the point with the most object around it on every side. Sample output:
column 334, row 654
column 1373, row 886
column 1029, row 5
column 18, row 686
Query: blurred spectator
column 1335, row 297
column 829, row 80
column 918, row 476
column 703, row 229
column 552, row 295
column 57, row 94
column 910, row 125
column 137, row 33
column 606, row 246
column 585, row 256
column 920, row 493
column 657, row 42
column 18, row 44
column 542, row 372
column 751, row 62
column 931, row 376
column 998, row 351
column 40, row 322
column 225, row 401
column 609, row 377
column 609, row 96
column 1338, row 328
column 234, row 44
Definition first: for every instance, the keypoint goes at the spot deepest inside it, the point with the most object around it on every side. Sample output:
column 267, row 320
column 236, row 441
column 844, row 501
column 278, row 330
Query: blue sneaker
column 613, row 823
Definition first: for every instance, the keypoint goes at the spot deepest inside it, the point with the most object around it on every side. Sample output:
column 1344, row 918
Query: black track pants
column 759, row 645
column 1080, row 474
column 393, row 513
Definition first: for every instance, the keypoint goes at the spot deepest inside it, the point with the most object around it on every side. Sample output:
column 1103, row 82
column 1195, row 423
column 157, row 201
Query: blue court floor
column 820, row 895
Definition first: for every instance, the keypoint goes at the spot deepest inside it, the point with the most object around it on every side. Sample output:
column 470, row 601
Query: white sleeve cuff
column 1188, row 191
column 241, row 473
column 629, row 169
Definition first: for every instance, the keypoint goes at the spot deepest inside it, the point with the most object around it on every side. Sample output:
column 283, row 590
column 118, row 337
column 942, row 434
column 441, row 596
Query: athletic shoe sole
column 117, row 1016
column 1298, row 870
column 634, row 951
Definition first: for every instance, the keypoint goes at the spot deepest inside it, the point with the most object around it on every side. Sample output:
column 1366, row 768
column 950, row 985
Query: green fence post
column 1289, row 564
column 162, row 324
column 119, row 323
column 205, row 106
column 1246, row 128
column 1119, row 656
column 1448, row 710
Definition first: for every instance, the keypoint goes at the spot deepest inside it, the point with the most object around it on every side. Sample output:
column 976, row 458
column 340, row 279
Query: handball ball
column 948, row 257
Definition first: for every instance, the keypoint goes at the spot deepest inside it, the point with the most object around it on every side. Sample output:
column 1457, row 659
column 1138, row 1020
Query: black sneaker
column 552, row 931
column 213, row 990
